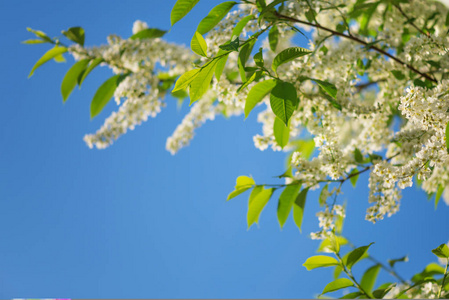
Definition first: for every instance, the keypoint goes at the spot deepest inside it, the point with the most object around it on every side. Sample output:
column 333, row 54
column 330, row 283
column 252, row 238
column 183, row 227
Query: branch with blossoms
column 368, row 94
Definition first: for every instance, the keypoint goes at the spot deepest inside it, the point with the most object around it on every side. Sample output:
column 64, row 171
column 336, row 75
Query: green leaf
column 244, row 54
column 369, row 278
column 34, row 41
column 355, row 255
column 93, row 64
column 380, row 293
column 354, row 177
column 283, row 100
column 281, row 132
column 59, row 58
column 148, row 33
column 398, row 74
column 257, row 200
column 240, row 25
column 198, row 44
column 447, row 137
column 438, row 195
column 285, row 204
column 441, row 251
column 273, row 37
column 258, row 58
column 232, row 45
column 201, row 83
column 215, row 16
column 71, row 77
column 358, row 156
column 50, row 54
column 298, row 208
column 320, row 261
column 323, row 195
column 185, row 79
column 181, row 9
column 243, row 184
column 75, row 34
column 40, row 35
column 392, row 262
column 337, row 284
column 257, row 93
column 270, row 6
column 326, row 245
column 329, row 88
column 353, row 295
column 104, row 94
column 220, row 66
column 288, row 55
column 337, row 271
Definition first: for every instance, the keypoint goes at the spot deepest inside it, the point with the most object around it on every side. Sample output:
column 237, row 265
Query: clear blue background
column 134, row 221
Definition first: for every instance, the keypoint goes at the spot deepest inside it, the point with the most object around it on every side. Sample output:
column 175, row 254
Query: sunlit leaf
column 50, row 54
column 298, row 208
column 104, row 94
column 288, row 55
column 181, row 9
column 320, row 261
column 286, row 201
column 337, row 284
column 215, row 16
column 257, row 200
column 283, row 100
column 71, row 77
column 75, row 34
column 257, row 93
column 198, row 44
column 243, row 184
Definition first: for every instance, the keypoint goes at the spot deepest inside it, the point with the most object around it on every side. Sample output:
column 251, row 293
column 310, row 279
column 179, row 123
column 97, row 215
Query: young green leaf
column 201, row 83
column 257, row 200
column 398, row 74
column 298, row 208
column 270, row 7
column 329, row 88
column 181, row 9
column 148, row 33
column 320, row 261
column 337, row 284
column 71, row 77
column 240, row 25
column 354, row 177
column 288, row 55
column 34, row 41
column 243, row 184
column 75, row 34
column 281, row 132
column 258, row 58
column 215, row 16
column 392, row 262
column 286, row 201
column 324, row 194
column 355, row 255
column 441, row 251
column 327, row 244
column 104, row 94
column 220, row 65
column 257, row 93
column 40, row 34
column 50, row 54
column 353, row 295
column 438, row 195
column 369, row 278
column 93, row 64
column 358, row 156
column 283, row 100
column 273, row 37
column 198, row 44
column 232, row 45
column 185, row 79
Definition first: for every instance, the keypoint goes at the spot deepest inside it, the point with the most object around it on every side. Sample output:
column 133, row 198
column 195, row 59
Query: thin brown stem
column 409, row 20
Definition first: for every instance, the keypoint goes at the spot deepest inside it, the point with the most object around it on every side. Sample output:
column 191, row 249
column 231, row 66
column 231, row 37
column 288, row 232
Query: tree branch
column 355, row 39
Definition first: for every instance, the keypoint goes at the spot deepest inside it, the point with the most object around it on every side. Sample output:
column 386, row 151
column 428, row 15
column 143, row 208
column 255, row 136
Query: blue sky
column 133, row 221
